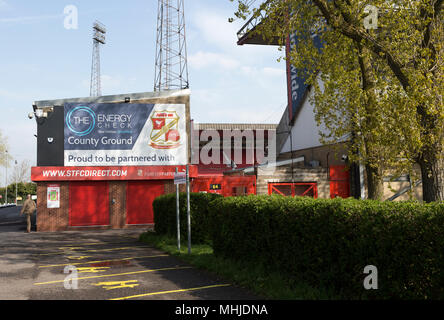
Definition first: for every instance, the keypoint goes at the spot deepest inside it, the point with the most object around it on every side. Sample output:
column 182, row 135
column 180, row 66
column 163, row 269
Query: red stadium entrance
column 89, row 204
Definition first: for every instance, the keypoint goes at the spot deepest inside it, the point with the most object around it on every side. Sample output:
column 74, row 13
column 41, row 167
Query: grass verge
column 266, row 284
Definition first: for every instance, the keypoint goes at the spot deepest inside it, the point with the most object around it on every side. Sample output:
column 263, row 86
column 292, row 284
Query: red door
column 88, row 204
column 139, row 201
column 339, row 182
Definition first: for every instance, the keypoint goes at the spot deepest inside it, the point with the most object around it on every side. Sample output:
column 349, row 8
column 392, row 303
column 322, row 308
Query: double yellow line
column 92, row 250
column 114, row 275
column 101, row 261
column 171, row 291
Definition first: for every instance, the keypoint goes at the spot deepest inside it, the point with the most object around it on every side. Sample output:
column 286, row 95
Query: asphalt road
column 107, row 265
column 11, row 216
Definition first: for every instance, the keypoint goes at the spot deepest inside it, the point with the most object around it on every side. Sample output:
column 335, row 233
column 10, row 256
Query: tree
column 21, row 172
column 5, row 158
column 405, row 57
column 23, row 189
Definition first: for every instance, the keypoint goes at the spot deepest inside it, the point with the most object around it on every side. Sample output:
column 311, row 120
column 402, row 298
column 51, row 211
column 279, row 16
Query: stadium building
column 101, row 161
column 304, row 165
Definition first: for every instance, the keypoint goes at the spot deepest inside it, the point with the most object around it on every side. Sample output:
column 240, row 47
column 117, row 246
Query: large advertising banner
column 125, row 134
column 296, row 86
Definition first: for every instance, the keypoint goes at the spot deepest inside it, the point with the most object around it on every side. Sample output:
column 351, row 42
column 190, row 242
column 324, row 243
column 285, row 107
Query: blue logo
column 81, row 120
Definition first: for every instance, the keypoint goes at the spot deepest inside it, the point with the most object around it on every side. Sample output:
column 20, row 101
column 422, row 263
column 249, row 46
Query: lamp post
column 16, row 183
column 6, row 183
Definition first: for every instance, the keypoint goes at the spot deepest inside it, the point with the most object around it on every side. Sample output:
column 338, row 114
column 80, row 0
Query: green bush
column 328, row 243
column 165, row 215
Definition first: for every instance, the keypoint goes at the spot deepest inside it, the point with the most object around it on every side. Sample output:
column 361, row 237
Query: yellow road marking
column 114, row 275
column 75, row 258
column 93, row 250
column 117, row 284
column 96, row 243
column 70, row 248
column 172, row 291
column 92, row 269
column 99, row 261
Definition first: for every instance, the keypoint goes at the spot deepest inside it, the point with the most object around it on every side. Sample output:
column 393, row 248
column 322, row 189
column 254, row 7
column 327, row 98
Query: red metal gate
column 301, row 189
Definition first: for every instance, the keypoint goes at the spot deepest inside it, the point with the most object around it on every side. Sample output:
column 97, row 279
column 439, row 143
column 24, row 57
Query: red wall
column 230, row 186
column 140, row 196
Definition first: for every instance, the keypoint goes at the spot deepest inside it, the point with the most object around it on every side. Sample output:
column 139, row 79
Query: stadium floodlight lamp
column 99, row 32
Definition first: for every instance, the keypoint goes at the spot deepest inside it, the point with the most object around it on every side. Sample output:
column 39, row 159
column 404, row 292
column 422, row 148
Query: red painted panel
column 230, row 185
column 339, row 182
column 139, row 201
column 88, row 204
column 339, row 189
column 339, row 173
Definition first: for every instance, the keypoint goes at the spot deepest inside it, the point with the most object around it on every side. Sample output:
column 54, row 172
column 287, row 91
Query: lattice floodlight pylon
column 99, row 32
column 171, row 51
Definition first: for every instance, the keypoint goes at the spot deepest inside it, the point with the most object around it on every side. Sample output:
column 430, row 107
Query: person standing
column 28, row 209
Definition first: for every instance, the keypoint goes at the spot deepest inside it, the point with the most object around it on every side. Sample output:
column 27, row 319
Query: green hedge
column 165, row 215
column 328, row 243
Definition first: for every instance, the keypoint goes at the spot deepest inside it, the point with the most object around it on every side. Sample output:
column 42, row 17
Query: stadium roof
column 248, row 35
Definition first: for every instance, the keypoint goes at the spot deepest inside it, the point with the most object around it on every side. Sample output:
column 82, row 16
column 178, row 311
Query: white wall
column 305, row 132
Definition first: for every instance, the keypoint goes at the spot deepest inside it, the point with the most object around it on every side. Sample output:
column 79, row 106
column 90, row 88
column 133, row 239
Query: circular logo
column 81, row 120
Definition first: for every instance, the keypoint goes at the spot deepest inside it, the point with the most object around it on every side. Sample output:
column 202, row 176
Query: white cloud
column 203, row 59
column 209, row 27
column 112, row 84
column 30, row 19
column 215, row 29
column 3, row 5
column 267, row 72
column 273, row 72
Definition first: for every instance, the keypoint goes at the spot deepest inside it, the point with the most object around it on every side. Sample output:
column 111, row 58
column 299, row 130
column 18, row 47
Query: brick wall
column 52, row 219
column 283, row 174
column 117, row 198
column 170, row 187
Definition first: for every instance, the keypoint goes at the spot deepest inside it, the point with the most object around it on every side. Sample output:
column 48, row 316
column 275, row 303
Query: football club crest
column 165, row 133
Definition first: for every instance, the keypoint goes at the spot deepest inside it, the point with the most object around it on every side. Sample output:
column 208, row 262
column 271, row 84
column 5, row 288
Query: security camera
column 344, row 157
column 31, row 115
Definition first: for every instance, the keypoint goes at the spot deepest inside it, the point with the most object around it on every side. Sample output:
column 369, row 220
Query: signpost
column 188, row 209
column 179, row 178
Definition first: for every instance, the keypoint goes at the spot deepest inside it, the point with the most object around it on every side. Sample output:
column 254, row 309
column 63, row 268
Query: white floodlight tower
column 99, row 32
column 171, row 71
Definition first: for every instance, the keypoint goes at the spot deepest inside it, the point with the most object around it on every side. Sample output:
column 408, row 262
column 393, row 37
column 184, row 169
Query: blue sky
column 40, row 60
